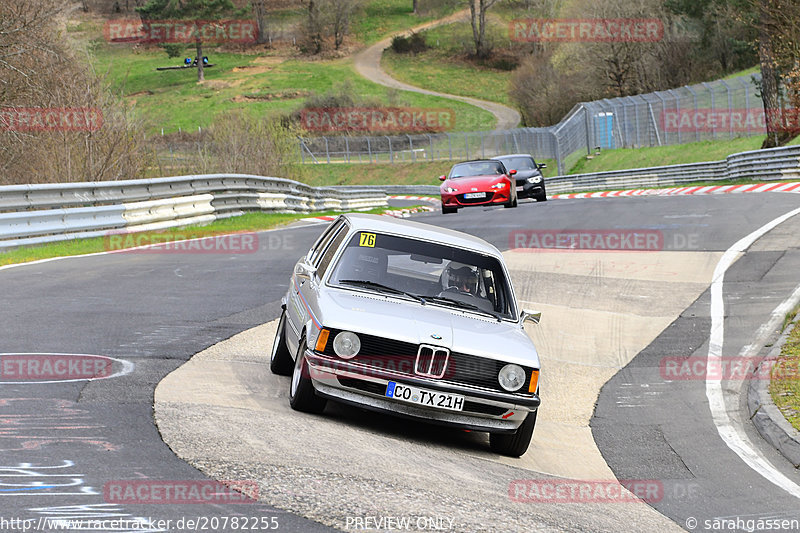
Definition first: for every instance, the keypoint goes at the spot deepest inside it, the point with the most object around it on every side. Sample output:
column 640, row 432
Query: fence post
column 302, row 153
column 677, row 112
column 450, row 145
column 391, row 153
column 711, row 92
column 369, row 149
column 746, row 102
column 557, row 152
column 483, row 148
column 411, row 147
column 346, row 149
column 730, row 107
column 327, row 150
column 694, row 96
column 586, row 127
column 466, row 144
column 430, row 143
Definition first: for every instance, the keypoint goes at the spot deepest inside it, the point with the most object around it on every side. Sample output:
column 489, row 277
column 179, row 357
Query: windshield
column 438, row 273
column 520, row 163
column 477, row 168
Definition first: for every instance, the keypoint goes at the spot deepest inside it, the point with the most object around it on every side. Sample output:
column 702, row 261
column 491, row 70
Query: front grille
column 487, row 198
column 379, row 389
column 400, row 358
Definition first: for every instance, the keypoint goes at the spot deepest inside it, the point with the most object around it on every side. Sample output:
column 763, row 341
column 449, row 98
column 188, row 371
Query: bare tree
column 340, row 13
column 38, row 70
column 477, row 13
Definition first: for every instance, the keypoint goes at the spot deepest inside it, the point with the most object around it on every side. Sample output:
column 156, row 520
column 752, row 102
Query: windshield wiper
column 464, row 305
column 381, row 288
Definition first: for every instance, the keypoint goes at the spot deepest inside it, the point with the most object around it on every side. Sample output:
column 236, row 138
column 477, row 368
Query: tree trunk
column 261, row 21
column 474, row 20
column 201, row 76
column 769, row 87
column 415, row 8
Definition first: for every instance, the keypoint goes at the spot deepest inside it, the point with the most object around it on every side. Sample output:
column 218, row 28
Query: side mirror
column 512, row 172
column 305, row 270
column 532, row 316
column 540, row 166
column 442, row 178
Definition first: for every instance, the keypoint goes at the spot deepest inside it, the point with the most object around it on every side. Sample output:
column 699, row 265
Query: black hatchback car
column 530, row 181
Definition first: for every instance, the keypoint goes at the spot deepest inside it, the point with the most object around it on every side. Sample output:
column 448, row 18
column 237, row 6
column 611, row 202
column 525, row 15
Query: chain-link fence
column 720, row 109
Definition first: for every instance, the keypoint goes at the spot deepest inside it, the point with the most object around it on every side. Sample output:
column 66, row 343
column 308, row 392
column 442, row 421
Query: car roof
column 511, row 155
column 408, row 228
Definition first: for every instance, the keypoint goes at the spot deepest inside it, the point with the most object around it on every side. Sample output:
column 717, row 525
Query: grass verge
column 244, row 223
column 426, row 173
column 784, row 386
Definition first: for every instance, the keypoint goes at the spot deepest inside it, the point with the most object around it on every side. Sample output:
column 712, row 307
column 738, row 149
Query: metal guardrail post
column 450, row 145
column 730, row 107
column 694, row 96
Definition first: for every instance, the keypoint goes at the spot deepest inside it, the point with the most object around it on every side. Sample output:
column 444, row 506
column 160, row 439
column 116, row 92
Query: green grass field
column 625, row 158
column 444, row 68
column 263, row 84
column 785, row 384
column 385, row 173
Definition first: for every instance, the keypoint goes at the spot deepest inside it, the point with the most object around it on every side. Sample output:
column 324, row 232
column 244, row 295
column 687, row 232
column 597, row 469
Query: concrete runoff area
column 226, row 414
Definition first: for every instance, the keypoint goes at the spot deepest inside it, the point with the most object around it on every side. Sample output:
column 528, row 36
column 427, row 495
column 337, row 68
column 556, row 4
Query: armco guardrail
column 761, row 165
column 758, row 165
column 34, row 214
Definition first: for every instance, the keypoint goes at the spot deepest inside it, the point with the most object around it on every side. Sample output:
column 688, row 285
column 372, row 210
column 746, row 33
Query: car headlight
column 347, row 344
column 451, row 189
column 535, row 179
column 511, row 377
column 501, row 185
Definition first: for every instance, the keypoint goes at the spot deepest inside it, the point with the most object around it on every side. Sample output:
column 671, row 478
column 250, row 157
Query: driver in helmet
column 462, row 278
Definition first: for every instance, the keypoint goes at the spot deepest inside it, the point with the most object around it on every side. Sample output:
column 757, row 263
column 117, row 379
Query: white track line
column 733, row 435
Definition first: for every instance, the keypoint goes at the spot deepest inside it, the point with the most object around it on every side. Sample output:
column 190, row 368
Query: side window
column 319, row 246
column 330, row 252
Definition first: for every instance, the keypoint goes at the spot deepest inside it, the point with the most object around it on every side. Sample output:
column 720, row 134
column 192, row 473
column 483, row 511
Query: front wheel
column 448, row 210
column 280, row 362
column 515, row 444
column 511, row 203
column 301, row 392
column 542, row 198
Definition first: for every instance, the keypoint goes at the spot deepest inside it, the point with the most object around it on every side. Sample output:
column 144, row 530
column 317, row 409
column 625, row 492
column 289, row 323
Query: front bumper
column 501, row 196
column 484, row 410
column 530, row 190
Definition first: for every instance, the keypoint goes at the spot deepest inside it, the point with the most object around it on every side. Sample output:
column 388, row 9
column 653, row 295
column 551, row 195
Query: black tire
column 448, row 210
column 514, row 444
column 280, row 361
column 542, row 198
column 301, row 391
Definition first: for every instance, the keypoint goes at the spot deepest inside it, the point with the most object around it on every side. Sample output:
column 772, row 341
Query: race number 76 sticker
column 367, row 239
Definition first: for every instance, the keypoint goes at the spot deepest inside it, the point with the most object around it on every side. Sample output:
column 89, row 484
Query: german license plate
column 520, row 188
column 475, row 195
column 426, row 398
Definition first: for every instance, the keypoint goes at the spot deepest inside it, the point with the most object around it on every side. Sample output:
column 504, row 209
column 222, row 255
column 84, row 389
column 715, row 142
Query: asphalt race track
column 66, row 445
